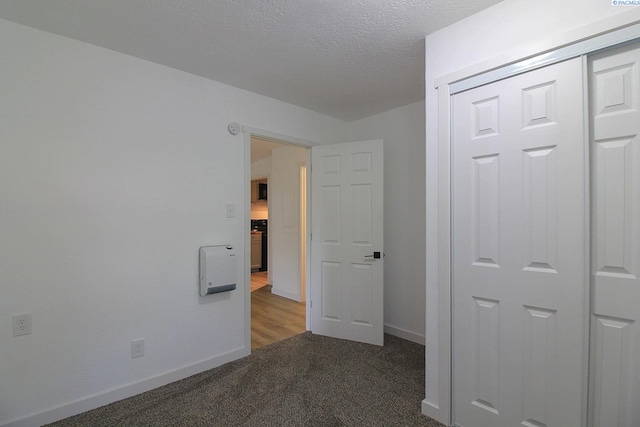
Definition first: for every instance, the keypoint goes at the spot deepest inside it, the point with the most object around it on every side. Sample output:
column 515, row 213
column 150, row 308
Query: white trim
column 404, row 334
column 308, row 246
column 278, row 137
column 246, row 271
column 437, row 402
column 444, row 256
column 285, row 140
column 586, row 339
column 440, row 408
column 303, row 176
column 532, row 50
column 104, row 398
column 572, row 51
column 290, row 295
column 431, row 411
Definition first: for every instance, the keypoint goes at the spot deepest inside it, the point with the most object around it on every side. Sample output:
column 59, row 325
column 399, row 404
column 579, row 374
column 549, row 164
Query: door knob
column 375, row 255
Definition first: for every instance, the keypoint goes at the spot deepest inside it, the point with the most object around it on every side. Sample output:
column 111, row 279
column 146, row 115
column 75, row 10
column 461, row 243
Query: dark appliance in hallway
column 261, row 225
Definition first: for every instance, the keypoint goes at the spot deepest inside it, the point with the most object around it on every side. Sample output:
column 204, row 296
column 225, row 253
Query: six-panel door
column 518, row 216
column 347, row 217
column 615, row 151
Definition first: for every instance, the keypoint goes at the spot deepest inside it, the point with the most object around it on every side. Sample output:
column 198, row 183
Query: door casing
column 285, row 139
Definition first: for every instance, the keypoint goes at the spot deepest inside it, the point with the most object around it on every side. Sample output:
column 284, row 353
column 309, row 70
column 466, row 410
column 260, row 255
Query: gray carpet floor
column 306, row 380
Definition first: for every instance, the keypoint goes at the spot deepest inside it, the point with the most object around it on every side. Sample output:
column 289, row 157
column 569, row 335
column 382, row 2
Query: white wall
column 511, row 30
column 114, row 171
column 261, row 168
column 404, row 215
column 284, row 221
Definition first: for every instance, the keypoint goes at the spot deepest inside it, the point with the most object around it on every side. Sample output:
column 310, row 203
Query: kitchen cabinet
column 256, row 250
column 254, row 191
column 258, row 190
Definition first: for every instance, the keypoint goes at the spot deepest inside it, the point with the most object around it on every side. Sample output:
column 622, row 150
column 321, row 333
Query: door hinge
column 310, row 304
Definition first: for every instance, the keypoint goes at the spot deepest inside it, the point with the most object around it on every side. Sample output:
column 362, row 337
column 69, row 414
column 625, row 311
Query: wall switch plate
column 137, row 348
column 21, row 324
column 231, row 210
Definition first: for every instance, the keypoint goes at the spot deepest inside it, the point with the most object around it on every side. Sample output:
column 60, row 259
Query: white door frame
column 286, row 140
column 599, row 35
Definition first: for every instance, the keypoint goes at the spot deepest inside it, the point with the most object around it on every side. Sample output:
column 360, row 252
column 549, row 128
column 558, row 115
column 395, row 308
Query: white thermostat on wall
column 217, row 269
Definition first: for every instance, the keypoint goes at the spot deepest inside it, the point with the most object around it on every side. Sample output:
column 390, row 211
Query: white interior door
column 518, row 216
column 346, row 238
column 615, row 147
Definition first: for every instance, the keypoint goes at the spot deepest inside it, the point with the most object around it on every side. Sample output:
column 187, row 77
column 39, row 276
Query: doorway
column 278, row 240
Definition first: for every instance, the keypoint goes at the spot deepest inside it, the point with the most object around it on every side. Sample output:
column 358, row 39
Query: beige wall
column 260, row 210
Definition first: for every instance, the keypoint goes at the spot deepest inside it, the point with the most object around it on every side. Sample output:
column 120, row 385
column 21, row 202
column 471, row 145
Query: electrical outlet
column 21, row 324
column 137, row 348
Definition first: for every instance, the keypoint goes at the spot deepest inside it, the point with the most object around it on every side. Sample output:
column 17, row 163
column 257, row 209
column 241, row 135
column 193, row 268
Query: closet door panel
column 519, row 284
column 615, row 151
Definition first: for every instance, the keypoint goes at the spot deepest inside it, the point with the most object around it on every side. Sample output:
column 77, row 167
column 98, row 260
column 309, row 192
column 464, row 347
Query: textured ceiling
column 344, row 58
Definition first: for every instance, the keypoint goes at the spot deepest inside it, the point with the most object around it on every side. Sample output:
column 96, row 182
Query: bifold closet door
column 519, row 285
column 615, row 151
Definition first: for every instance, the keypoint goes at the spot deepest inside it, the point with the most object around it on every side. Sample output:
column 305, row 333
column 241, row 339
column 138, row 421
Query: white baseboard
column 104, row 398
column 285, row 294
column 433, row 411
column 404, row 334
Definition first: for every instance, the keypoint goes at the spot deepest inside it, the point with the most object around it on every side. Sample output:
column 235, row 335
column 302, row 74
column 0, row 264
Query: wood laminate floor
column 274, row 318
column 259, row 279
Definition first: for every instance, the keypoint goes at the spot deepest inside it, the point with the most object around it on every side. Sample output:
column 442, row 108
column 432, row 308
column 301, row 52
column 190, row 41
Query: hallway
column 273, row 318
